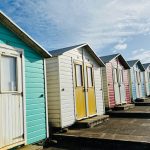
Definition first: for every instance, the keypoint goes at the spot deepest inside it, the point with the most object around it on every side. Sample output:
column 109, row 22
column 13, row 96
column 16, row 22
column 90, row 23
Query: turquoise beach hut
column 137, row 79
column 23, row 102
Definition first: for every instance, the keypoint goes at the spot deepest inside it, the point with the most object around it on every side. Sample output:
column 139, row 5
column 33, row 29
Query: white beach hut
column 74, row 85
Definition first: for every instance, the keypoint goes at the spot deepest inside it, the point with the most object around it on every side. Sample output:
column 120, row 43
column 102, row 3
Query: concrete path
column 117, row 133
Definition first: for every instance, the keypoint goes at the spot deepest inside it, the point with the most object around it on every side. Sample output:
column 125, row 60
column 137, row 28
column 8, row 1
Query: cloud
column 141, row 54
column 61, row 23
column 120, row 46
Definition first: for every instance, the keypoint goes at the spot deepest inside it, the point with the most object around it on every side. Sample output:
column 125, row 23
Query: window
column 79, row 79
column 89, row 76
column 8, row 73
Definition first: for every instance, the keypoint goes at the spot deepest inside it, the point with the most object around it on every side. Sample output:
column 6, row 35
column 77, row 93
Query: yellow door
column 80, row 92
column 91, row 92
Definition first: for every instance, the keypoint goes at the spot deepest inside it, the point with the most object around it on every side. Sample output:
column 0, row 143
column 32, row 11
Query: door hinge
column 22, row 94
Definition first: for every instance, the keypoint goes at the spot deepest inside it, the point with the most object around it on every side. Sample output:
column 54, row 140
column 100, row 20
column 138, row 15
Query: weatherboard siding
column 111, row 93
column 127, row 85
column 61, row 94
column 53, row 91
column 105, row 87
column 66, row 90
column 67, row 84
column 34, row 86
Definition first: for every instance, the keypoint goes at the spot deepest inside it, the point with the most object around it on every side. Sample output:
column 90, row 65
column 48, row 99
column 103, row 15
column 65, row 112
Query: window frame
column 17, row 56
column 82, row 80
column 92, row 76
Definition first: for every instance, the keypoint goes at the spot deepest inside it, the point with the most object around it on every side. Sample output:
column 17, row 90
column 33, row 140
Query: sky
column 108, row 26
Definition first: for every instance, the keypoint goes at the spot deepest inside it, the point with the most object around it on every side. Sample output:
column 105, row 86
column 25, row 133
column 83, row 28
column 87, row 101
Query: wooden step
column 123, row 107
column 31, row 147
column 145, row 103
column 140, row 99
column 91, row 122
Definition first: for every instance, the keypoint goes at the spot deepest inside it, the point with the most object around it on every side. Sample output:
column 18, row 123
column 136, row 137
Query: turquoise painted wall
column 34, row 81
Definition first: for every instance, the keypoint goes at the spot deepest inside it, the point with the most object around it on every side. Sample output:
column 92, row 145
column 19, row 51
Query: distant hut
column 74, row 85
column 116, row 81
column 137, row 79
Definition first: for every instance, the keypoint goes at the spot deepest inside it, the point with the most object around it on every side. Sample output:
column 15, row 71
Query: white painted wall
column 53, row 91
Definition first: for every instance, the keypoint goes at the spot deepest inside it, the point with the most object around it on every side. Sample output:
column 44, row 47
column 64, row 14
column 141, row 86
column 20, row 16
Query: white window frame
column 17, row 72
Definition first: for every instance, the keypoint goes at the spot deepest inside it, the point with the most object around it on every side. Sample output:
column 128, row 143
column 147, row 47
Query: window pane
column 8, row 73
column 78, row 75
column 90, row 81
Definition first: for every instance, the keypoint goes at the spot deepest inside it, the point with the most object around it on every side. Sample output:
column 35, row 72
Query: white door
column 116, row 86
column 11, row 101
column 122, row 87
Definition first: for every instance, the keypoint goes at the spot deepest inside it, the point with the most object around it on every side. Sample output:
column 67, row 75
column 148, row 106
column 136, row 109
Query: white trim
column 46, row 101
column 24, row 96
column 5, row 46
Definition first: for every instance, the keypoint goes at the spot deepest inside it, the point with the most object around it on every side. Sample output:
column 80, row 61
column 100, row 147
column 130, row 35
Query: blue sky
column 108, row 26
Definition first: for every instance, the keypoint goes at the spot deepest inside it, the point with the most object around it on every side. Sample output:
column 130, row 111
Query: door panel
column 80, row 92
column 116, row 86
column 91, row 92
column 11, row 102
column 122, row 87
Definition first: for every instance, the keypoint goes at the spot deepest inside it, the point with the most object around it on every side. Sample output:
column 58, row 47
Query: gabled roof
column 146, row 65
column 138, row 62
column 60, row 51
column 6, row 21
column 109, row 58
column 88, row 48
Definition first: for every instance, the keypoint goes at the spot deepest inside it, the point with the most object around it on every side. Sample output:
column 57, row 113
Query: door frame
column 21, row 51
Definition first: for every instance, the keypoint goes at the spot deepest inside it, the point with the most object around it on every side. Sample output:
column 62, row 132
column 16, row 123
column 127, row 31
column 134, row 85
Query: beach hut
column 23, row 102
column 115, row 81
column 74, row 85
column 147, row 78
column 137, row 79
